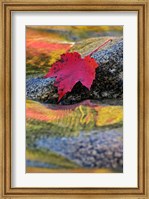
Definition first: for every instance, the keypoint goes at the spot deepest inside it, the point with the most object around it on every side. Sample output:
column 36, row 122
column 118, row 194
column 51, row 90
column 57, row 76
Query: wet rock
column 104, row 152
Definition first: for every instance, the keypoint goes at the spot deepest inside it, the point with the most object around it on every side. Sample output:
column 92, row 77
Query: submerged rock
column 102, row 149
column 108, row 83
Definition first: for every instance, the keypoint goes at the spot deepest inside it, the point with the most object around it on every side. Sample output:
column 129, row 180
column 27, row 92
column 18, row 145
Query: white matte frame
column 129, row 176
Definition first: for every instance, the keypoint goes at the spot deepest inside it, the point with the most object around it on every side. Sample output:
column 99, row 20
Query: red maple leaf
column 70, row 69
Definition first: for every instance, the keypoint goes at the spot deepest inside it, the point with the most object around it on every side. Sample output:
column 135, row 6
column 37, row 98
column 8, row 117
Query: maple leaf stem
column 105, row 43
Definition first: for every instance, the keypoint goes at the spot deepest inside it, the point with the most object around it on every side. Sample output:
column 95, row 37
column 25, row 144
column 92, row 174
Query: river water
column 85, row 137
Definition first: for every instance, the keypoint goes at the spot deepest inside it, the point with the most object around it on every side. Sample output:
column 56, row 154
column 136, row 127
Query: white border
column 126, row 179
